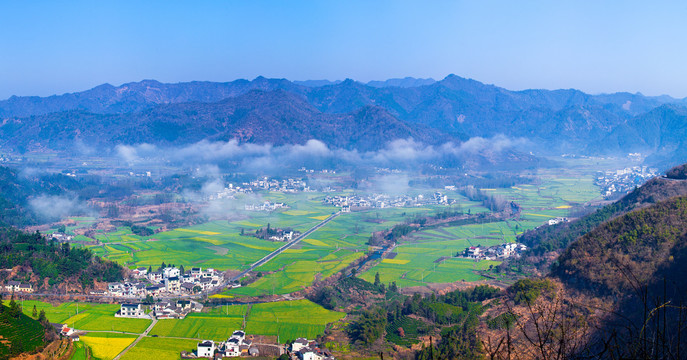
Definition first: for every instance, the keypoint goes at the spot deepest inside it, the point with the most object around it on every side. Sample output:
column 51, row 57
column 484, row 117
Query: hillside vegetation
column 20, row 333
column 614, row 257
column 556, row 238
column 42, row 259
column 617, row 290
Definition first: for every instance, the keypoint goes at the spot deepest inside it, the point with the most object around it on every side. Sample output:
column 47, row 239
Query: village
column 265, row 206
column 239, row 344
column 289, row 185
column 502, row 251
column 381, row 201
column 168, row 280
column 615, row 183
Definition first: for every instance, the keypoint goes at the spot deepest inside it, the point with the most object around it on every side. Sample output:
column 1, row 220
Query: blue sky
column 49, row 47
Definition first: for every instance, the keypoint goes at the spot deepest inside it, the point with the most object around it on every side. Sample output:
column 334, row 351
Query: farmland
column 330, row 249
column 97, row 317
column 284, row 318
column 107, row 345
column 425, row 257
column 159, row 349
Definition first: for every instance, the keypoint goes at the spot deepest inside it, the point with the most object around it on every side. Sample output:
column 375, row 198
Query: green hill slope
column 19, row 333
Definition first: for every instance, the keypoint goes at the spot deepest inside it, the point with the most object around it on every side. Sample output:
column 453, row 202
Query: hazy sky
column 50, row 47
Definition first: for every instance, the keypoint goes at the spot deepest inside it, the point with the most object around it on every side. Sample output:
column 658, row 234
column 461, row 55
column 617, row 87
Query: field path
column 141, row 336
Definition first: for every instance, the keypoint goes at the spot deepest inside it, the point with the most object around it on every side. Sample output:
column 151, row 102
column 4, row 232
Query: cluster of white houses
column 287, row 185
column 168, row 280
column 265, row 206
column 236, row 345
column 306, row 349
column 494, row 252
column 17, row 286
column 384, row 201
column 163, row 310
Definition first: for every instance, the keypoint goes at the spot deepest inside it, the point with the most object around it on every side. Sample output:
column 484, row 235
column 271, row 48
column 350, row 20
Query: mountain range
column 349, row 114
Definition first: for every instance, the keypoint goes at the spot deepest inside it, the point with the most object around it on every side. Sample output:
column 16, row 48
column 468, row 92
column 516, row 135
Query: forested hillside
column 46, row 263
column 556, row 238
column 621, row 269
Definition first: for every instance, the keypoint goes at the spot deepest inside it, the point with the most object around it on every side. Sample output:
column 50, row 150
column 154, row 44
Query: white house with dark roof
column 140, row 271
column 206, row 348
column 299, row 344
column 170, row 272
column 131, row 311
column 25, row 288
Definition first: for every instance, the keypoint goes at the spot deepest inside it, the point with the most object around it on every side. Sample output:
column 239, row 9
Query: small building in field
column 206, row 348
column 130, row 310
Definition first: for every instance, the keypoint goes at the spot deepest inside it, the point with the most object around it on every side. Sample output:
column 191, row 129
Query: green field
column 425, row 256
column 285, row 318
column 290, row 319
column 107, row 345
column 90, row 316
column 216, row 244
column 219, row 245
column 215, row 325
column 159, row 349
column 327, row 251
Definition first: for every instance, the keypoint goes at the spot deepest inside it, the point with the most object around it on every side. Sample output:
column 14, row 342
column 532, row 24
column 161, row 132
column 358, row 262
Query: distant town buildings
column 613, row 183
column 346, row 203
column 266, row 206
column 163, row 310
column 61, row 237
column 289, row 185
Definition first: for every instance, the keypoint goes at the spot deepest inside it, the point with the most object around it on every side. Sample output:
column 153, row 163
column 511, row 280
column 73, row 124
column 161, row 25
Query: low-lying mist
column 405, row 154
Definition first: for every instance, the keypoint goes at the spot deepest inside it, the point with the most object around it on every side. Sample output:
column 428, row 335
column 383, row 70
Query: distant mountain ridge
column 275, row 117
column 555, row 120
